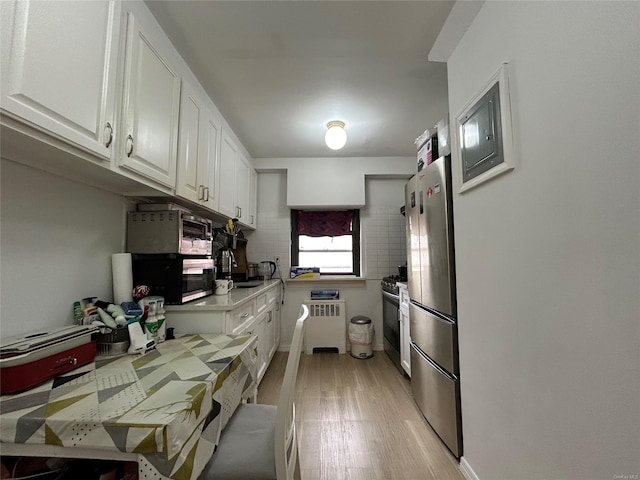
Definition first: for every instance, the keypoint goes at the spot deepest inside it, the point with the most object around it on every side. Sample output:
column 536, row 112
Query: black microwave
column 177, row 278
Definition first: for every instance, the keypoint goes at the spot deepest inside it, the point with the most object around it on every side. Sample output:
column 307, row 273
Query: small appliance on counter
column 171, row 252
column 172, row 230
column 32, row 359
column 225, row 261
column 177, row 278
column 253, row 271
column 266, row 270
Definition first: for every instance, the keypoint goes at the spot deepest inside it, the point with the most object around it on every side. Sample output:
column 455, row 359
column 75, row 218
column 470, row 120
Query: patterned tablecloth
column 168, row 406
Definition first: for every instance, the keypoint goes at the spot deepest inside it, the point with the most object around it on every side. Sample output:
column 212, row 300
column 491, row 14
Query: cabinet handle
column 110, row 139
column 200, row 192
column 251, row 217
column 270, row 318
column 130, row 139
column 244, row 315
column 239, row 212
column 206, row 191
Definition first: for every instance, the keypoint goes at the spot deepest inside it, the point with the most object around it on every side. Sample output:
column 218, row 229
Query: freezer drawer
column 437, row 395
column 435, row 336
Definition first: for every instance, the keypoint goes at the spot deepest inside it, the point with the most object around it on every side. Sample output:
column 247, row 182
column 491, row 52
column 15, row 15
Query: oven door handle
column 391, row 296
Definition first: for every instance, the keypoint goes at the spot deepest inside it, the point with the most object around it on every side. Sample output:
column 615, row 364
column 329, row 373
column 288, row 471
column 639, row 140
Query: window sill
column 328, row 279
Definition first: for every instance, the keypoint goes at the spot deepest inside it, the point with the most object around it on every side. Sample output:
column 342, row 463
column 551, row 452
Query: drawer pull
column 244, row 315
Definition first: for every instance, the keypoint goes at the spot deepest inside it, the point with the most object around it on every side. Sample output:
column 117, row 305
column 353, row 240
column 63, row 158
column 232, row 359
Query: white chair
column 259, row 442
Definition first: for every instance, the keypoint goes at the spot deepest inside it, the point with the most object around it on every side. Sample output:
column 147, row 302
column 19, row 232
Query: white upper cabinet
column 189, row 174
column 100, row 81
column 210, row 157
column 59, row 65
column 197, row 150
column 253, row 198
column 227, row 176
column 151, row 106
column 242, row 189
column 235, row 183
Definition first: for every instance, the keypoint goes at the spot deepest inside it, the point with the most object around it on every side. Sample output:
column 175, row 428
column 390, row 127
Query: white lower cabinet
column 258, row 315
column 263, row 344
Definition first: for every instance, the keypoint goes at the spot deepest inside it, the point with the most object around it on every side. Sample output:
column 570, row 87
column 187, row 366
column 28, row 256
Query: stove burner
column 389, row 284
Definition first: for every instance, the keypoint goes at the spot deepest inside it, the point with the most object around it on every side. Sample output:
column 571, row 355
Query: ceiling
column 280, row 70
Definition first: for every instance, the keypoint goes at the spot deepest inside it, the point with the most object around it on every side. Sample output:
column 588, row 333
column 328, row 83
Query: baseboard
column 467, row 471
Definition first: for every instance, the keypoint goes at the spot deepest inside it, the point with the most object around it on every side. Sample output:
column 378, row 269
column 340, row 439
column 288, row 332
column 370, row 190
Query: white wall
column 333, row 182
column 383, row 247
column 57, row 238
column 548, row 255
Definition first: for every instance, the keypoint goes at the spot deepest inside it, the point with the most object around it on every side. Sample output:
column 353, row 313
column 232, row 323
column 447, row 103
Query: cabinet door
column 242, row 189
column 209, row 160
column 270, row 333
column 151, row 106
column 189, row 174
column 59, row 66
column 277, row 312
column 263, row 344
column 226, row 178
column 253, row 199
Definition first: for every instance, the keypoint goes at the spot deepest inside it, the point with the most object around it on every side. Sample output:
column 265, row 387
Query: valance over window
column 325, row 223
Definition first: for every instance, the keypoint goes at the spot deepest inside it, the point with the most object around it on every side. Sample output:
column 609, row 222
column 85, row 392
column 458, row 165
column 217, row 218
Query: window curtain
column 325, row 223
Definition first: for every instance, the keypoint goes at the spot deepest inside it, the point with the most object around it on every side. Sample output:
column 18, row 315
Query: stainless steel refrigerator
column 435, row 379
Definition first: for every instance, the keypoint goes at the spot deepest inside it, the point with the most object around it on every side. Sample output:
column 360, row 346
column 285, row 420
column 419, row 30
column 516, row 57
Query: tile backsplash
column 383, row 239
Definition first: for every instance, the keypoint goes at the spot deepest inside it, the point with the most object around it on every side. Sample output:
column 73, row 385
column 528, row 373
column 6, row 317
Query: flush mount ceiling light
column 336, row 137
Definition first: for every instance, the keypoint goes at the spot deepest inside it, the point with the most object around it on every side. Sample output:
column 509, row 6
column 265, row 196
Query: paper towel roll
column 122, row 277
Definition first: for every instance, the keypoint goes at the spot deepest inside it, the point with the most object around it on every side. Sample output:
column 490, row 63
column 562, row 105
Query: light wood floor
column 357, row 421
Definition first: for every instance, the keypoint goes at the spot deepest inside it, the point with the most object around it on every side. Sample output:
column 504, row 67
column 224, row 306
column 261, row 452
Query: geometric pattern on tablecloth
column 157, row 404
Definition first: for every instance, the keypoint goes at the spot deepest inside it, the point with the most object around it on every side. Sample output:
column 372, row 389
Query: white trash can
column 361, row 337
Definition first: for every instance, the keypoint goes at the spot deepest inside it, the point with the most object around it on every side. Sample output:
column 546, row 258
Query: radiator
column 326, row 327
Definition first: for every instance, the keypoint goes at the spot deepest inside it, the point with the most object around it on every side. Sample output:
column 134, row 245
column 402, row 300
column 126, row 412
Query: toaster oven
column 168, row 231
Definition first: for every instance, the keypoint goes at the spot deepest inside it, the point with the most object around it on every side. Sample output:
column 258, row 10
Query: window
column 326, row 239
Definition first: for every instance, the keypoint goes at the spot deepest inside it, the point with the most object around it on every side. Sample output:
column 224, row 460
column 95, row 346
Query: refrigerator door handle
column 421, row 202
column 433, row 313
column 433, row 364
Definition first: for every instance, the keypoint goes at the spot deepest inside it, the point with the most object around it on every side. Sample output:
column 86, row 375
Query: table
column 164, row 409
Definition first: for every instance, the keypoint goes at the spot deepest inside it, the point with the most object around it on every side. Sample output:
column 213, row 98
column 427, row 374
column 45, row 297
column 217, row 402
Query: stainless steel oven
column 391, row 320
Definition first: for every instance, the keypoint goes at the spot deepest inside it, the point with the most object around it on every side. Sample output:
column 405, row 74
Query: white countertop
column 231, row 300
